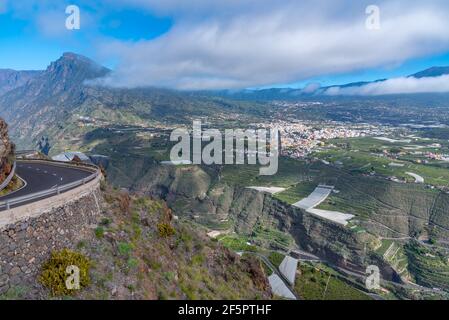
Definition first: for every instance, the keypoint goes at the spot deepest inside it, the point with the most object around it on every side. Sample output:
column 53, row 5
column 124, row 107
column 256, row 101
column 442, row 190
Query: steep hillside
column 6, row 151
column 144, row 253
column 139, row 250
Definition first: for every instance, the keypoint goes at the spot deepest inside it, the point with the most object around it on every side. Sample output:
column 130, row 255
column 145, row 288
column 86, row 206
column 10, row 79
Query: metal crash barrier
column 53, row 191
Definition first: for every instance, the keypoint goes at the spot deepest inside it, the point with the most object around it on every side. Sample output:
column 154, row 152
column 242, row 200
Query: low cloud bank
column 395, row 86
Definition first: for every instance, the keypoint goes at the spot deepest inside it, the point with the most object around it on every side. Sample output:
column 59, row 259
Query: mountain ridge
column 431, row 72
column 289, row 93
column 11, row 79
column 52, row 102
column 98, row 71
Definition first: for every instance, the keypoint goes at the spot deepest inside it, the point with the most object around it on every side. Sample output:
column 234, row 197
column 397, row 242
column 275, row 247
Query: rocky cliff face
column 6, row 151
column 330, row 241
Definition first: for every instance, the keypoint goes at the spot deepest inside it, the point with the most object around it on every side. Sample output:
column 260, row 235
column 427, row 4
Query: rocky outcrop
column 326, row 239
column 6, row 151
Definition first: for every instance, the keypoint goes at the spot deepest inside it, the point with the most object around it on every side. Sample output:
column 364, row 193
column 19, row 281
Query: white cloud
column 250, row 43
column 396, row 86
column 311, row 88
column 52, row 23
column 237, row 44
column 257, row 43
column 286, row 43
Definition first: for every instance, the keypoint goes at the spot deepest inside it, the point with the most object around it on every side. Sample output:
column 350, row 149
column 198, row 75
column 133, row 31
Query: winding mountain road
column 39, row 176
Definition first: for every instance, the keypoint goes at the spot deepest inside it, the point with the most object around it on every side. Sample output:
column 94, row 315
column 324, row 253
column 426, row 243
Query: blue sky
column 229, row 44
column 25, row 46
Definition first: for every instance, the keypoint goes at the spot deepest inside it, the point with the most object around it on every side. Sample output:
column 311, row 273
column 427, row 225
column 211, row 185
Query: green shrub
column 169, row 276
column 137, row 231
column 99, row 232
column 125, row 248
column 189, row 290
column 132, row 263
column 276, row 258
column 155, row 265
column 165, row 230
column 54, row 272
column 198, row 259
column 185, row 236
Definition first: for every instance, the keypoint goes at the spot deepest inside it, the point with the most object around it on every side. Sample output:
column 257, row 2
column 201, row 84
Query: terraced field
column 290, row 173
column 381, row 207
column 367, row 155
column 394, row 253
column 297, row 192
column 315, row 283
column 429, row 267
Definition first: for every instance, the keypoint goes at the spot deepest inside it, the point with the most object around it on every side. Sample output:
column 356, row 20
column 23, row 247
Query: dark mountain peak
column 431, row 72
column 62, row 84
column 72, row 55
column 72, row 66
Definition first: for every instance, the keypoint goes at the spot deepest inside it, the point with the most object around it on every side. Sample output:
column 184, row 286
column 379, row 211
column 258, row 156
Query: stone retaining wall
column 28, row 234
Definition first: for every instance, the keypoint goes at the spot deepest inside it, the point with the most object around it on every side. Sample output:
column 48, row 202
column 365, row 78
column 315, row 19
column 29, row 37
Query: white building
column 70, row 155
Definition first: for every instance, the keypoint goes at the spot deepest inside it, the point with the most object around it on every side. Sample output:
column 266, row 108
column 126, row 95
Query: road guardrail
column 53, row 191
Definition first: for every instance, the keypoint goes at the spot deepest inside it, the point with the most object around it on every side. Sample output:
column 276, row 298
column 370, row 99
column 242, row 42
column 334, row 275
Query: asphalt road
column 40, row 177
